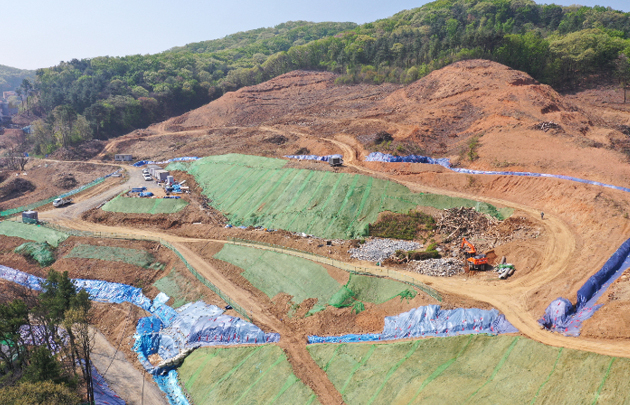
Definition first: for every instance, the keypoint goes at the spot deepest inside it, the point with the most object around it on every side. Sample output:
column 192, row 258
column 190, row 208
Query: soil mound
column 15, row 188
column 65, row 181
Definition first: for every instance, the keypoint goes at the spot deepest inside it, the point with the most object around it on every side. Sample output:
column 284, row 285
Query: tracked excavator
column 475, row 261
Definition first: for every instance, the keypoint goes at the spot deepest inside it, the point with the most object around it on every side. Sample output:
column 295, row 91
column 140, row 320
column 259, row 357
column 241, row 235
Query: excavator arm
column 471, row 248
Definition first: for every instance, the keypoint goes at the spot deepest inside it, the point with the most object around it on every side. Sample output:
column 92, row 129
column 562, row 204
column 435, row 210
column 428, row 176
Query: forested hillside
column 560, row 46
column 11, row 78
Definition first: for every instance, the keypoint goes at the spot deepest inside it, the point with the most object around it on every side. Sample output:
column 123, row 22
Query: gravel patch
column 437, row 267
column 377, row 250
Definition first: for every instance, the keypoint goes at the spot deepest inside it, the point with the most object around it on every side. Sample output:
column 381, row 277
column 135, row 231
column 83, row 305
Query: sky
column 42, row 33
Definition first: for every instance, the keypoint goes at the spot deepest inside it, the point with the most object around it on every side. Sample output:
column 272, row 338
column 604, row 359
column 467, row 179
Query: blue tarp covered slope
column 194, row 325
column 428, row 321
column 561, row 316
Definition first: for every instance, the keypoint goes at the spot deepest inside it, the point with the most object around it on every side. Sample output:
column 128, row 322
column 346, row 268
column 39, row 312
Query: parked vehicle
column 60, row 202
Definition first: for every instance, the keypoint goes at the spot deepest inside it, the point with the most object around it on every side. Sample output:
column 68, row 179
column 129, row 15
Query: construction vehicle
column 475, row 261
column 60, row 202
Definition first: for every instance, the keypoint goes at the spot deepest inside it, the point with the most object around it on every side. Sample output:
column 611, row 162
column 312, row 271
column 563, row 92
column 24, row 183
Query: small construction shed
column 29, row 217
column 123, row 158
column 161, row 175
column 335, row 161
column 152, row 169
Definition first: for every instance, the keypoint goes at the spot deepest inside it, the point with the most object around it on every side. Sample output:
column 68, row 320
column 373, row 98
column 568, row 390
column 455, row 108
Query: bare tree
column 622, row 72
column 16, row 156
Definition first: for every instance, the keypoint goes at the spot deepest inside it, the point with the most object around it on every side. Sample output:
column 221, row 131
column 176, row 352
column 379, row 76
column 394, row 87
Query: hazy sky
column 41, row 33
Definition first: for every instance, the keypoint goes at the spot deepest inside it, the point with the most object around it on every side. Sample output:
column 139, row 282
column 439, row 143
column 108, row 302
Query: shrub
column 402, row 226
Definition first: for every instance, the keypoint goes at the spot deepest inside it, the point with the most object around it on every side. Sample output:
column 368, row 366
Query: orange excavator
column 475, row 261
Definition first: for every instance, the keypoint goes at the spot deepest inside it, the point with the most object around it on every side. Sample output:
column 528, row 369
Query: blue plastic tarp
column 169, row 384
column 195, row 325
column 444, row 162
column 428, row 321
column 313, row 157
column 612, row 266
column 562, row 316
column 99, row 290
column 146, row 194
column 384, row 157
column 103, row 395
column 179, row 159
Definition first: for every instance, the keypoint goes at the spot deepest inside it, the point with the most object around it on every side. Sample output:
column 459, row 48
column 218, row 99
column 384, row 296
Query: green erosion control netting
column 274, row 273
column 130, row 205
column 41, row 252
column 113, row 254
column 35, row 233
column 378, row 290
column 179, row 288
column 245, row 375
column 472, row 369
column 253, row 190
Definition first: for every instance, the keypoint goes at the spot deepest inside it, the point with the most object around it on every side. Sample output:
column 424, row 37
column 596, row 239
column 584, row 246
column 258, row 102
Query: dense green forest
column 11, row 78
column 56, row 369
column 561, row 46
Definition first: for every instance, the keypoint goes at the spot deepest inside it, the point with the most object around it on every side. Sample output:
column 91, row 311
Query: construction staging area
column 294, row 281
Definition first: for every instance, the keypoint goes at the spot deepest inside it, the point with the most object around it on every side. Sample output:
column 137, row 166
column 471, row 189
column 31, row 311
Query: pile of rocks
column 377, row 250
column 446, row 267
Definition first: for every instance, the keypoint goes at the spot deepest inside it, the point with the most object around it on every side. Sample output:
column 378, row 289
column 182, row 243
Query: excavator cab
column 479, row 262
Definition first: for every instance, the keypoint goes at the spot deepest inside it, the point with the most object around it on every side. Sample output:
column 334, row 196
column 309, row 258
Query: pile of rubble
column 377, row 250
column 457, row 222
column 547, row 125
column 446, row 267
column 487, row 231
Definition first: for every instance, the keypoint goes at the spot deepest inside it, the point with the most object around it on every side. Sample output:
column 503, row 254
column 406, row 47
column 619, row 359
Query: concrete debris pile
column 446, row 267
column 377, row 250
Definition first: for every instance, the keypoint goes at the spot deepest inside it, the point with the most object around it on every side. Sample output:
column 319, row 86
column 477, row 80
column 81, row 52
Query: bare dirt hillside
column 520, row 124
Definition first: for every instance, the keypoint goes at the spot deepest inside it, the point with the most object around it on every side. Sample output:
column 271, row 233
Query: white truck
column 60, row 202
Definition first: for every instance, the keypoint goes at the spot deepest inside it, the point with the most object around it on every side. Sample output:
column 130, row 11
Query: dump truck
column 60, row 202
column 475, row 261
